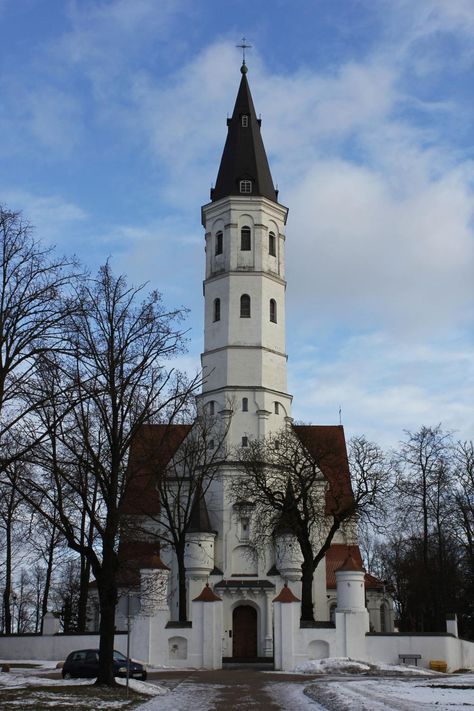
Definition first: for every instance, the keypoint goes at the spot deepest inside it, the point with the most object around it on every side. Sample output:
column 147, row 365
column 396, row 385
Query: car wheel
column 67, row 675
column 144, row 676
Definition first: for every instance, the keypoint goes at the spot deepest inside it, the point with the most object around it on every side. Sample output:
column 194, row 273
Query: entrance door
column 244, row 631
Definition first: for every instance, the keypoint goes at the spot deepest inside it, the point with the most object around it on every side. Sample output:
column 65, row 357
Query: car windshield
column 119, row 657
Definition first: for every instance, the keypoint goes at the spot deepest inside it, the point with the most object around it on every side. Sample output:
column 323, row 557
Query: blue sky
column 112, row 123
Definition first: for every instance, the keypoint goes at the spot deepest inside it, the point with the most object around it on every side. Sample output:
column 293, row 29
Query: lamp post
column 128, row 641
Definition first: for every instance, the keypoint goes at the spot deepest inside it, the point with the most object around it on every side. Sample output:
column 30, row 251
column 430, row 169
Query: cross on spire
column 243, row 47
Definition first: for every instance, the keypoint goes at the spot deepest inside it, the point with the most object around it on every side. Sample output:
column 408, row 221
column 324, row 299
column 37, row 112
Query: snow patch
column 141, row 687
column 346, row 665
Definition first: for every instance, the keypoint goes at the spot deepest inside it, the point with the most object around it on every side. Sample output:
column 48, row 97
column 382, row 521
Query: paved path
column 230, row 690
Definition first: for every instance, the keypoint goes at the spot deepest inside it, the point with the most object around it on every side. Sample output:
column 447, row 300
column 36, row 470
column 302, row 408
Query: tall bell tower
column 244, row 360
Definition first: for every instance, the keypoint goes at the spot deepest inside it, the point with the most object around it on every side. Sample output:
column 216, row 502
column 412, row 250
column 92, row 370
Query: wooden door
column 244, row 632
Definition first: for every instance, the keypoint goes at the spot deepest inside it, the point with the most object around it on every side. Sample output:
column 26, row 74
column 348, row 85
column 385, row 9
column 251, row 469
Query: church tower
column 244, row 361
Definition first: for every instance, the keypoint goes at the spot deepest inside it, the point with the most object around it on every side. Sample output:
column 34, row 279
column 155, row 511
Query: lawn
column 68, row 698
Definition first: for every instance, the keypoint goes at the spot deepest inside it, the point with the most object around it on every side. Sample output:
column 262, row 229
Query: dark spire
column 244, row 156
column 199, row 519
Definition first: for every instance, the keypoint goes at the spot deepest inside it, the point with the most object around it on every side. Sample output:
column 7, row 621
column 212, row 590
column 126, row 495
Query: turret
column 199, row 551
column 350, row 586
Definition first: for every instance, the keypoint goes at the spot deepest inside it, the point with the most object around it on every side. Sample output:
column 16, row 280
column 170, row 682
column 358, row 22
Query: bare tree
column 113, row 380
column 464, row 499
column 181, row 462
column 32, row 281
column 12, row 520
column 298, row 479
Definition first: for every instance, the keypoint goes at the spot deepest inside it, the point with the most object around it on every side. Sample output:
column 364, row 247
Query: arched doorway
column 244, row 632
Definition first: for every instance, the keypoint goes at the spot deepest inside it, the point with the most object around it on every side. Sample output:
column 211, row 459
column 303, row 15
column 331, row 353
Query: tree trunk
column 307, row 571
column 106, row 579
column 8, row 577
column 182, row 593
column 49, row 573
column 83, row 594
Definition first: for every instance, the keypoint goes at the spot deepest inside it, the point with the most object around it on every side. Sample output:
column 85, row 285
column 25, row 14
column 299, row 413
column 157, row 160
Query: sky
column 112, row 124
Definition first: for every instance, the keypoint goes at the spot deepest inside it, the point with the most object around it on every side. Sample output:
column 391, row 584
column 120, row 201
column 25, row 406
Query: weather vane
column 243, row 47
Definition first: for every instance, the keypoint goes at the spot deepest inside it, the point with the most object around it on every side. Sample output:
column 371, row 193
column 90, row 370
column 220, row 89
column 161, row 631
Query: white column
column 269, row 630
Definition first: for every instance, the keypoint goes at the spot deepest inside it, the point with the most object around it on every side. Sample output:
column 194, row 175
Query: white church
column 244, row 606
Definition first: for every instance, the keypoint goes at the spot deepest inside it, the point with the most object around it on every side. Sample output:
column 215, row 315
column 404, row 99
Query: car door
column 91, row 663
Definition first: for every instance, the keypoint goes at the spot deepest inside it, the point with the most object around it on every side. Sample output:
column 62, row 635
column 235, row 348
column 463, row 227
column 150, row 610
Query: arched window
column 212, row 408
column 277, row 408
column 272, row 244
column 245, row 306
column 332, row 612
column 245, row 241
column 245, row 441
column 217, row 309
column 246, row 186
column 273, row 311
column 245, row 404
column 219, row 238
column 383, row 618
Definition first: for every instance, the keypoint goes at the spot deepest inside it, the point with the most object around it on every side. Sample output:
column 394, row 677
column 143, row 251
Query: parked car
column 84, row 663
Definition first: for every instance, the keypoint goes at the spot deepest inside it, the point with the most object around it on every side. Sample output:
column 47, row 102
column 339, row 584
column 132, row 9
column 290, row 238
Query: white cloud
column 385, row 386
column 51, row 216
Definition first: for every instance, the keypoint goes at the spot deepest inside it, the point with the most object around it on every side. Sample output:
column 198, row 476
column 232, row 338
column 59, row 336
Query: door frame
column 247, row 603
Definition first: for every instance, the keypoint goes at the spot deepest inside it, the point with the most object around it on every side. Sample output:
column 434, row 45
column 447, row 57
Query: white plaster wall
column 455, row 652
column 52, row 648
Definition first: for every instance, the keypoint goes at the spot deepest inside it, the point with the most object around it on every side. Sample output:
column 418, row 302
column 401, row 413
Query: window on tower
column 245, row 306
column 245, row 120
column 245, row 441
column 273, row 311
column 245, row 239
column 217, row 309
column 212, row 408
column 245, row 404
column 219, row 239
column 246, row 186
column 272, row 244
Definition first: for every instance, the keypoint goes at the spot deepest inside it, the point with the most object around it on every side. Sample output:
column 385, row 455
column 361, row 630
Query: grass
column 69, row 698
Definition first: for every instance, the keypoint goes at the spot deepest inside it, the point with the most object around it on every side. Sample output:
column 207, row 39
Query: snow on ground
column 37, row 664
column 346, row 665
column 20, row 678
column 142, row 687
column 186, row 695
column 365, row 694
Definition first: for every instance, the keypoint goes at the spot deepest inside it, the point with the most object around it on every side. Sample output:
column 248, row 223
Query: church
column 244, row 367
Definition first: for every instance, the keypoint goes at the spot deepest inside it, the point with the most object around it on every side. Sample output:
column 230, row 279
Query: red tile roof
column 207, row 595
column 351, row 565
column 150, row 452
column 135, row 555
column 286, row 595
column 327, row 446
column 337, row 555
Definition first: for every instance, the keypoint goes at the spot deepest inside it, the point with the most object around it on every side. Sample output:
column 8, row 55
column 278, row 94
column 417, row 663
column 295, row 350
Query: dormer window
column 245, row 120
column 246, row 186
